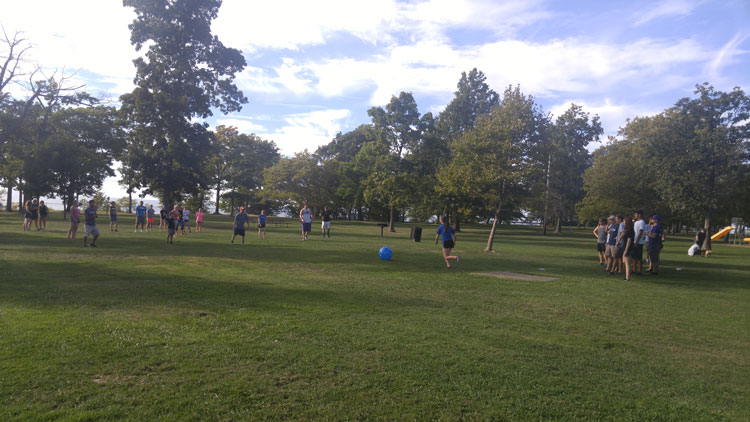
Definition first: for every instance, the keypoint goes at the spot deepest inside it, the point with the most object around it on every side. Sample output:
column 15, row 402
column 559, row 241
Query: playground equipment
column 735, row 231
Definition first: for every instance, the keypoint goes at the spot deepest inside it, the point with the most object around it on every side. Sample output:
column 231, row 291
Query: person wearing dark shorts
column 163, row 215
column 35, row 214
column 112, row 216
column 448, row 235
column 171, row 224
column 239, row 225
column 305, row 217
column 43, row 213
column 27, row 216
column 91, row 229
column 262, row 225
column 655, row 245
column 140, row 217
column 600, row 232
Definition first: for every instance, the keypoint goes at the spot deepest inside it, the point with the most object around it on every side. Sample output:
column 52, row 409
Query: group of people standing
column 35, row 211
column 622, row 240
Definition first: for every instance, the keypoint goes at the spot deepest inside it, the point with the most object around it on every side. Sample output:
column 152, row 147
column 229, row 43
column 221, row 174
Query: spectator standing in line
column 112, row 216
column 600, row 232
column 35, row 214
column 27, row 216
column 262, row 225
column 325, row 226
column 639, row 228
column 75, row 219
column 620, row 243
column 199, row 220
column 657, row 236
column 611, row 250
column 91, row 229
column 140, row 216
column 43, row 213
column 628, row 238
column 150, row 217
column 305, row 217
column 239, row 225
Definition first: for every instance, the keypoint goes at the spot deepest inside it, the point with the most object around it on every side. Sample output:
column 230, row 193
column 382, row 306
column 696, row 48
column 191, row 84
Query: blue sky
column 316, row 67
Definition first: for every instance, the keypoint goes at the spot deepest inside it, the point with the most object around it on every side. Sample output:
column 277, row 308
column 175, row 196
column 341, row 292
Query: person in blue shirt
column 262, row 225
column 448, row 235
column 655, row 244
column 611, row 249
column 239, row 225
column 140, row 216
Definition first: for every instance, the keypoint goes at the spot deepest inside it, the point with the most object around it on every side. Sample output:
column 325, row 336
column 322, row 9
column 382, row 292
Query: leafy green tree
column 299, row 180
column 186, row 74
column 700, row 152
column 491, row 162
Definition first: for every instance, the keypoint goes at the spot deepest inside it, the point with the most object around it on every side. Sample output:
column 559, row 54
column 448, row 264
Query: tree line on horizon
column 487, row 157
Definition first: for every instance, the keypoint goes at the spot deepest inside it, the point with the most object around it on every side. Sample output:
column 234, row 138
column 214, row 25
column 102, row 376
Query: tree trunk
column 391, row 225
column 491, row 239
column 707, row 242
column 20, row 201
column 166, row 201
column 9, row 205
column 458, row 223
column 218, row 197
column 130, row 201
column 558, row 223
column 546, row 197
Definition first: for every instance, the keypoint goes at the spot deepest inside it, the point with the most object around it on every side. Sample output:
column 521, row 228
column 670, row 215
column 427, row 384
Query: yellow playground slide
column 721, row 233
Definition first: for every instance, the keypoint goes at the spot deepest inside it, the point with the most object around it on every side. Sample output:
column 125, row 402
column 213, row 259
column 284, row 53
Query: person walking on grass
column 611, row 249
column 150, row 218
column 171, row 226
column 199, row 220
column 448, row 234
column 239, row 225
column 75, row 219
column 656, row 236
column 112, row 216
column 91, row 229
column 27, row 216
column 639, row 227
column 140, row 216
column 178, row 216
column 305, row 217
column 43, row 214
column 628, row 239
column 262, row 225
column 325, row 226
column 600, row 233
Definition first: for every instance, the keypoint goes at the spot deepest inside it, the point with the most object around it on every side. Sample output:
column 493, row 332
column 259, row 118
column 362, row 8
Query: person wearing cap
column 239, row 225
column 655, row 245
column 91, row 229
column 639, row 227
column 611, row 249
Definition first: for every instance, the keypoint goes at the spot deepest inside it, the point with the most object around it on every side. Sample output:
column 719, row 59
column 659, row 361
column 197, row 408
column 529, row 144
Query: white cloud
column 243, row 124
column 668, row 8
column 728, row 53
column 307, row 130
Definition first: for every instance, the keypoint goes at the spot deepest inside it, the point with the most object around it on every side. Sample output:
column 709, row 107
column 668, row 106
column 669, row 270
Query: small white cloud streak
column 668, row 8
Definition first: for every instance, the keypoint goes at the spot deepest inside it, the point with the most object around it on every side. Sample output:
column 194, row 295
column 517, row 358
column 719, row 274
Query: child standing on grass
column 150, row 218
column 199, row 220
column 163, row 219
column 43, row 213
column 262, row 225
column 600, row 232
column 75, row 219
column 448, row 234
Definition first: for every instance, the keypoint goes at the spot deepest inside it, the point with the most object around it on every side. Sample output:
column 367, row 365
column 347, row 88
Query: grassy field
column 323, row 330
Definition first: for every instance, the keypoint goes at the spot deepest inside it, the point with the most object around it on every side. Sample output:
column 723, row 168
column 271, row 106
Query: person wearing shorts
column 91, row 229
column 75, row 219
column 171, row 226
column 150, row 218
column 448, row 235
column 140, row 216
column 27, row 216
column 262, row 225
column 639, row 227
column 305, row 217
column 43, row 213
column 112, row 216
column 600, row 232
column 611, row 249
column 655, row 245
column 325, row 226
column 35, row 214
column 620, row 243
column 199, row 220
column 186, row 221
column 163, row 219
column 239, row 225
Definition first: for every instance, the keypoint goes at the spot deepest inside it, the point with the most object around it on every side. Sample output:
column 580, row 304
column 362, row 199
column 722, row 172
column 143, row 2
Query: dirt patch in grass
column 516, row 276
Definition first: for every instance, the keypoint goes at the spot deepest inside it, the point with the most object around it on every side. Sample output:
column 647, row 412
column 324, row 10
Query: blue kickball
column 385, row 253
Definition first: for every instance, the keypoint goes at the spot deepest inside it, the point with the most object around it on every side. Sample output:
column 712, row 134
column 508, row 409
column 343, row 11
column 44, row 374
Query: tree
column 187, row 72
column 700, row 151
column 400, row 130
column 491, row 162
column 299, row 180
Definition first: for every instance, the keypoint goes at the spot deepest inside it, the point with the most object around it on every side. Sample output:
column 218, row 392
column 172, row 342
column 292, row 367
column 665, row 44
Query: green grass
column 324, row 330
